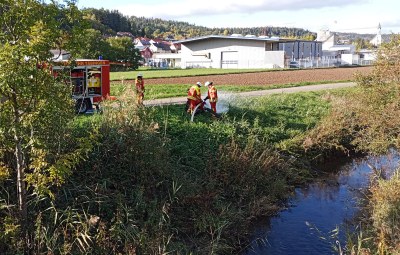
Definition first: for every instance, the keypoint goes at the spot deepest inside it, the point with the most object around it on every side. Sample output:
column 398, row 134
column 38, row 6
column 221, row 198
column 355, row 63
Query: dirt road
column 270, row 78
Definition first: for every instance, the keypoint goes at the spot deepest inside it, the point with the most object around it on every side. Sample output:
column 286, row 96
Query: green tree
column 309, row 37
column 148, row 31
column 361, row 43
column 35, row 108
column 156, row 33
column 122, row 49
column 93, row 45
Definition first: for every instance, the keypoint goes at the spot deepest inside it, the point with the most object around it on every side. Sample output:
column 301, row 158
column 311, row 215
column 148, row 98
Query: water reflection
column 309, row 225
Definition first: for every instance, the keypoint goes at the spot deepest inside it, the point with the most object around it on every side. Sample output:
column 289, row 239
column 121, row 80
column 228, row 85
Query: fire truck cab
column 90, row 82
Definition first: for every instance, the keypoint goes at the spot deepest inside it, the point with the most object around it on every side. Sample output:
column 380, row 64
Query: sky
column 359, row 16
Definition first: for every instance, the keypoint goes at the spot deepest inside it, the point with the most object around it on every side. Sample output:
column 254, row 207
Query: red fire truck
column 90, row 80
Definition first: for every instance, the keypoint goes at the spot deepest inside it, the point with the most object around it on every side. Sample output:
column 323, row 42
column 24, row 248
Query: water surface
column 314, row 214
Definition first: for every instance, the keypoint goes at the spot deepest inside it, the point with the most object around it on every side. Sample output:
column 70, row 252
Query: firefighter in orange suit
column 212, row 96
column 194, row 97
column 139, row 86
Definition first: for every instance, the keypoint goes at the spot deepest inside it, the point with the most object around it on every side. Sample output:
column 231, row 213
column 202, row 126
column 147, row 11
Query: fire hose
column 195, row 109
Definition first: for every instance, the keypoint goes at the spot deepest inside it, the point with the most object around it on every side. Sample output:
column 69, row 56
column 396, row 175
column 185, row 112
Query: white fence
column 321, row 63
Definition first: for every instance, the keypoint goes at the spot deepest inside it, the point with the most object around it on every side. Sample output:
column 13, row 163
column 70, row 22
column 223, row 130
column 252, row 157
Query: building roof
column 145, row 42
column 234, row 37
column 162, row 46
column 342, row 47
column 241, row 37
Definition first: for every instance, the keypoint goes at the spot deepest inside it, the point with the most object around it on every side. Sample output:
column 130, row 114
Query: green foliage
column 122, row 49
column 93, row 45
column 283, row 117
column 107, row 21
column 37, row 151
column 362, row 43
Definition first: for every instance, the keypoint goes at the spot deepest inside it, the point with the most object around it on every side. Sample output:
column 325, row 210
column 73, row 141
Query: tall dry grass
column 385, row 214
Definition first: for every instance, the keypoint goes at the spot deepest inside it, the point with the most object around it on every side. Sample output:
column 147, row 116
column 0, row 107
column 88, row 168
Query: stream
column 318, row 216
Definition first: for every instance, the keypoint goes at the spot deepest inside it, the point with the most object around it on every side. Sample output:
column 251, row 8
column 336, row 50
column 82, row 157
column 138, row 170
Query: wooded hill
column 111, row 21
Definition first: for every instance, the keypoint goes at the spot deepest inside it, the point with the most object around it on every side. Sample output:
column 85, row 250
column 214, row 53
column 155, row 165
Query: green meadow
column 168, row 73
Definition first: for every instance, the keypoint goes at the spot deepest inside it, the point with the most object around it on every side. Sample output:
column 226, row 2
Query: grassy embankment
column 159, row 183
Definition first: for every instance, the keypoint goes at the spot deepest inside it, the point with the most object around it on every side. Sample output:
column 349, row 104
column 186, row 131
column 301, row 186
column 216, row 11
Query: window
column 271, row 46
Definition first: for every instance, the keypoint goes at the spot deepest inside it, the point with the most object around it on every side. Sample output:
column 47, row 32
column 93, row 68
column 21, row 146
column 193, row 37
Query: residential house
column 146, row 54
column 167, row 54
column 160, row 47
column 163, row 54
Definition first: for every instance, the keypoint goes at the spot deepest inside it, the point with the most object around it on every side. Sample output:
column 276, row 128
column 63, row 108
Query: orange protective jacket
column 212, row 94
column 139, row 86
column 194, row 93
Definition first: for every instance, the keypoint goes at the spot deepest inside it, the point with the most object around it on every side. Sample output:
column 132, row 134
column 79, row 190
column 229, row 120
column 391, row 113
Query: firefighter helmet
column 198, row 84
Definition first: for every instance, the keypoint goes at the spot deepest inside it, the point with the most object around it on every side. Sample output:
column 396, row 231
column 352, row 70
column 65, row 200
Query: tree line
column 112, row 21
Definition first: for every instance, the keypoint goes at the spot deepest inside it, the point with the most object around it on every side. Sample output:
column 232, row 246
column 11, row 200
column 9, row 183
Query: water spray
column 222, row 105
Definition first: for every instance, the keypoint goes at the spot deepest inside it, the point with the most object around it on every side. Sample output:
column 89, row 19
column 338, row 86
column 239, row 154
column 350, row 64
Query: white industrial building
column 239, row 51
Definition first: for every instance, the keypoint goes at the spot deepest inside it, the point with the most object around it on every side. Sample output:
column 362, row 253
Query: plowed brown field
column 269, row 78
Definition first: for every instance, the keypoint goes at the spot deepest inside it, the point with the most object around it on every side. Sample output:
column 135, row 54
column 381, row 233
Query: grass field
column 165, row 73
